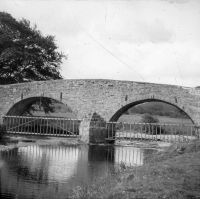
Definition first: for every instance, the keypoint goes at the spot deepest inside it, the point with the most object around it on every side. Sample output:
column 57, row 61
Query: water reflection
column 60, row 163
column 51, row 171
column 129, row 156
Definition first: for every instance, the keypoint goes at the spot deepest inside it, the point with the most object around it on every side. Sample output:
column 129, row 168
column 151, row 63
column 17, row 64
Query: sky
column 154, row 41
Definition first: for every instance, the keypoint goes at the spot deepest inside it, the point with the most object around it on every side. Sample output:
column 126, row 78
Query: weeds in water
column 122, row 165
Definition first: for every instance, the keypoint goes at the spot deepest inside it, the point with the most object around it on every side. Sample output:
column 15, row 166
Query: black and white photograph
column 100, row 99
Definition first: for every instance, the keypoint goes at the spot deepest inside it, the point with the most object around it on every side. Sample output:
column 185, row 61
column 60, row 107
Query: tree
column 148, row 118
column 150, row 126
column 25, row 54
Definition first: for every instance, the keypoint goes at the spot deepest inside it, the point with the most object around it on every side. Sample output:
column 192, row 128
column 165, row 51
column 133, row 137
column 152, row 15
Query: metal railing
column 51, row 126
column 48, row 126
column 152, row 131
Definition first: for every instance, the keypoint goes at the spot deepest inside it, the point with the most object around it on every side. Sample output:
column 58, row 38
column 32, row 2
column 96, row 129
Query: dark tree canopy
column 25, row 54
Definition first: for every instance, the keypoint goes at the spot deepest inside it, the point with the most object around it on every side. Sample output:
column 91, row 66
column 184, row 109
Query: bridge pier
column 93, row 131
column 84, row 131
column 98, row 132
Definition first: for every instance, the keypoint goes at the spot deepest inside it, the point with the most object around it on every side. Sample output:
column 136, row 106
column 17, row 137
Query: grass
column 173, row 174
column 166, row 126
column 162, row 119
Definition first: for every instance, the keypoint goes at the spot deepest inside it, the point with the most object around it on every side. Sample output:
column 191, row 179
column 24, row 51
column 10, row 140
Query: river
column 53, row 171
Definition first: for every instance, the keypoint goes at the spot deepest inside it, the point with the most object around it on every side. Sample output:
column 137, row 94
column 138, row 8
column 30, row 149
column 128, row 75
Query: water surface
column 52, row 171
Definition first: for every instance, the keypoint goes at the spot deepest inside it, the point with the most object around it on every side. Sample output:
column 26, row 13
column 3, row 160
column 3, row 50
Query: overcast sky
column 140, row 40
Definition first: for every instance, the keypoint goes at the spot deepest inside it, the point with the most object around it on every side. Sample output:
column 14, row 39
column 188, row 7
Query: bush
column 152, row 128
column 148, row 118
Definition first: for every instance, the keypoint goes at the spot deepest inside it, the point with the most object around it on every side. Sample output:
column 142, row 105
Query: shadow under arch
column 123, row 109
column 19, row 108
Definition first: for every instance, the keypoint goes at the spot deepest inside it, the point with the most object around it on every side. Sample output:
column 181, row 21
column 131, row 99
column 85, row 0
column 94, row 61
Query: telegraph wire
column 109, row 51
column 178, row 69
column 113, row 55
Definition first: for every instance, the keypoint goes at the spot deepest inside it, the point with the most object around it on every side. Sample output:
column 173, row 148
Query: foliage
column 43, row 103
column 25, row 54
column 148, row 118
column 151, row 127
column 2, row 131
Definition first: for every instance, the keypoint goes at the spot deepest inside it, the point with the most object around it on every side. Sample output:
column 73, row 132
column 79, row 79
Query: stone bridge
column 98, row 99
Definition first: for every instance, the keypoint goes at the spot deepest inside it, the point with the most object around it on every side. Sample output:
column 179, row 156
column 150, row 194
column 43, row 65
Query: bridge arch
column 22, row 105
column 124, row 108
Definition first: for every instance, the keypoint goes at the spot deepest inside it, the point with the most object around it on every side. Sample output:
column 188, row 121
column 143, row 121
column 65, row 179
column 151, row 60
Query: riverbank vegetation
column 2, row 131
column 173, row 174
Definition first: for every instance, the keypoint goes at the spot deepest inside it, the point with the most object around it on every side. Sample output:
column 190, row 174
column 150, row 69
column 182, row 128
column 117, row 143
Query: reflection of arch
column 123, row 109
column 21, row 106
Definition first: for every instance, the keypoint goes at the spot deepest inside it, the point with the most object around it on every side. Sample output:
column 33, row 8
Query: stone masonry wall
column 104, row 97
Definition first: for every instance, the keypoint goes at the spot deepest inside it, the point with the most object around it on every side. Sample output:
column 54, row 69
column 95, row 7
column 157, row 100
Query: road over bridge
column 97, row 100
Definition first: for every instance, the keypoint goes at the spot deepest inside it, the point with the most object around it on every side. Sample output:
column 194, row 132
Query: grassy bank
column 173, row 174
